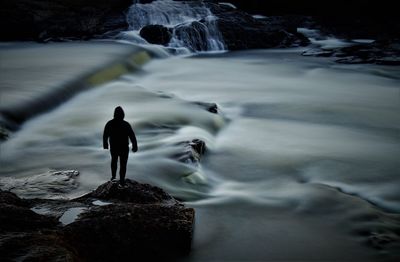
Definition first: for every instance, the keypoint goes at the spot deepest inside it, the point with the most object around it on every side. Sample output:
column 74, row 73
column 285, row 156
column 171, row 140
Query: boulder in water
column 192, row 153
column 133, row 192
column 139, row 221
column 210, row 107
column 123, row 231
column 156, row 34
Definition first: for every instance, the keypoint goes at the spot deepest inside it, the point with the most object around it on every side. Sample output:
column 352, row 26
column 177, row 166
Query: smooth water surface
column 301, row 161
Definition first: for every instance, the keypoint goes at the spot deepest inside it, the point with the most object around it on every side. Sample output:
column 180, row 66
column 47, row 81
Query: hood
column 119, row 113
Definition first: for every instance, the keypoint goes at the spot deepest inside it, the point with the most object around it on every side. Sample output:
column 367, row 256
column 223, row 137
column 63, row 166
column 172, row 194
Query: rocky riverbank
column 44, row 20
column 139, row 221
column 239, row 30
column 381, row 52
column 222, row 27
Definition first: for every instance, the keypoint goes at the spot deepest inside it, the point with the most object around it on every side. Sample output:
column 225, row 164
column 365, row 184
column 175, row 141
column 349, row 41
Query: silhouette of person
column 117, row 131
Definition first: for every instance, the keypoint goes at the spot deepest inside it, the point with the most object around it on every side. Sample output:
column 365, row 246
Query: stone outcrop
column 44, row 20
column 136, row 222
column 156, row 34
column 242, row 31
column 384, row 52
column 238, row 30
column 131, row 231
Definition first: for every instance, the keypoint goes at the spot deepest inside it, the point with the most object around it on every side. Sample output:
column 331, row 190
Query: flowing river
column 302, row 158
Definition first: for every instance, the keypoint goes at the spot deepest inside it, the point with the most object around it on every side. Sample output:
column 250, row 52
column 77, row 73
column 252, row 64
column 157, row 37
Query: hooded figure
column 117, row 132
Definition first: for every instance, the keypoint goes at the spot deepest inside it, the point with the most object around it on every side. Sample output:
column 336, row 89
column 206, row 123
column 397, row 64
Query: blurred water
column 303, row 155
column 178, row 16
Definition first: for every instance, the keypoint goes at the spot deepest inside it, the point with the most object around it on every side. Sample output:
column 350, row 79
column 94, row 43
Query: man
column 118, row 131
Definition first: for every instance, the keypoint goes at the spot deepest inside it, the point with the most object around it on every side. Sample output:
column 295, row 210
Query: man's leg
column 114, row 164
column 123, row 160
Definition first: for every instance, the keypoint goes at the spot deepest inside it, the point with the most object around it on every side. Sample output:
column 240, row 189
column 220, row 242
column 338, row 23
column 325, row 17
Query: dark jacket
column 118, row 131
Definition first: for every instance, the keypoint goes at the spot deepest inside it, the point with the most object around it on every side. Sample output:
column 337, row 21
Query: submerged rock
column 193, row 151
column 4, row 133
column 210, row 107
column 139, row 221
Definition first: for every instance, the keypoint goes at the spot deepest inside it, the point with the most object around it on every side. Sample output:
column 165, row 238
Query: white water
column 302, row 161
column 173, row 14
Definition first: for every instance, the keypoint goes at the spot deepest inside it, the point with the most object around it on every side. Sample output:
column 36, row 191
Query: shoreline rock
column 386, row 52
column 58, row 20
column 139, row 221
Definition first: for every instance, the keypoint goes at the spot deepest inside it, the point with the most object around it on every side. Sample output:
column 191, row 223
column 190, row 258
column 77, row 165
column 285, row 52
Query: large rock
column 22, row 219
column 131, row 231
column 156, row 34
column 242, row 31
column 134, row 192
column 137, row 222
column 230, row 28
column 26, row 234
column 56, row 19
column 192, row 151
column 9, row 198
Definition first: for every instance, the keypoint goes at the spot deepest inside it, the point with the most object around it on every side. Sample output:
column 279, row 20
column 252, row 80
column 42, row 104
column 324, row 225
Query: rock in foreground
column 137, row 222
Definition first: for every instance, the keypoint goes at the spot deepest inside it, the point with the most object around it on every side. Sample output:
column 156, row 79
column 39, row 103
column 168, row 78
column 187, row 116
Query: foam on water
column 50, row 184
column 326, row 42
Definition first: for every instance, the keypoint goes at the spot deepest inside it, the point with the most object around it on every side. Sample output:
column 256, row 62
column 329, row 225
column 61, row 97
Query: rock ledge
column 137, row 222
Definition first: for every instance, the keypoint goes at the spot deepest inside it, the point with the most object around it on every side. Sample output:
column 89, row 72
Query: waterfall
column 192, row 24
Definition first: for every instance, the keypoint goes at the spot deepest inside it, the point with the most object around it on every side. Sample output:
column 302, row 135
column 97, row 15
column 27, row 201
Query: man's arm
column 106, row 135
column 132, row 137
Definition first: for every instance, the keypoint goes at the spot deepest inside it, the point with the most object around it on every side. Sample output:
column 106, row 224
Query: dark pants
column 122, row 154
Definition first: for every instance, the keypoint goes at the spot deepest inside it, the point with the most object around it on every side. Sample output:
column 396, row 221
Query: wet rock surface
column 382, row 52
column 156, row 34
column 134, row 192
column 192, row 152
column 137, row 221
column 241, row 30
column 121, row 231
